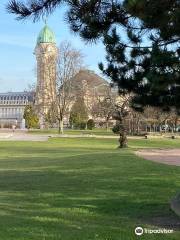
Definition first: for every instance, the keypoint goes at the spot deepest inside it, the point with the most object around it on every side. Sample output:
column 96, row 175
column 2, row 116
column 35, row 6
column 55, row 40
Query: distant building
column 91, row 85
column 12, row 105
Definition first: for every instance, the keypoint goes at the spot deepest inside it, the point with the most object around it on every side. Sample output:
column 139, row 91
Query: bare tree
column 104, row 106
column 69, row 62
column 155, row 118
column 173, row 120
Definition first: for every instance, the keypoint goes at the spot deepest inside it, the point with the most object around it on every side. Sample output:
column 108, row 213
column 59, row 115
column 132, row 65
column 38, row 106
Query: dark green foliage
column 116, row 129
column 90, row 124
column 31, row 118
column 81, row 125
column 78, row 115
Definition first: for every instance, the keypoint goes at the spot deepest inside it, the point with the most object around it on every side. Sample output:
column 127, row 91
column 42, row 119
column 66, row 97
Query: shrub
column 82, row 125
column 116, row 129
column 78, row 114
column 31, row 118
column 90, row 124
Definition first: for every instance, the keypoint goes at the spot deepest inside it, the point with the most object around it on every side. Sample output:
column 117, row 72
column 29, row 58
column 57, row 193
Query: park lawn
column 83, row 189
column 95, row 131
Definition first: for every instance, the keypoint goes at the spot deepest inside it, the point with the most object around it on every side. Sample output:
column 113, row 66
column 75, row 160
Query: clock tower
column 46, row 55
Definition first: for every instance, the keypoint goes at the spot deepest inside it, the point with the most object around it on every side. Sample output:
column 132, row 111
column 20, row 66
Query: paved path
column 83, row 136
column 25, row 136
column 22, row 137
column 166, row 156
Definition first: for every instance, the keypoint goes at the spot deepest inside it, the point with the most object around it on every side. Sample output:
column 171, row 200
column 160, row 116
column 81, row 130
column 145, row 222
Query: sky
column 17, row 43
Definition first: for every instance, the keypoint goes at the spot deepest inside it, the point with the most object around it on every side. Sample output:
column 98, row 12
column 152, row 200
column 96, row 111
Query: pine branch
column 34, row 8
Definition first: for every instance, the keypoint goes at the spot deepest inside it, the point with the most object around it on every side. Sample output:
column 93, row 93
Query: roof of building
column 87, row 80
column 20, row 95
column 46, row 35
column 25, row 93
column 90, row 77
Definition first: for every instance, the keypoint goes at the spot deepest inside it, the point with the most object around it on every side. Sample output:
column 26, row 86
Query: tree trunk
column 60, row 127
column 123, row 140
column 138, row 127
column 123, row 135
column 107, row 124
column 129, row 126
column 165, row 125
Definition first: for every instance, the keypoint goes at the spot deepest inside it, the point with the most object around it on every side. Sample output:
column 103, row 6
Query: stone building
column 46, row 56
column 12, row 105
column 91, row 85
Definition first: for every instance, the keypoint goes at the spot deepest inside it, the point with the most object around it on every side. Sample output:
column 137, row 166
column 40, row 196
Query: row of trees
column 106, row 108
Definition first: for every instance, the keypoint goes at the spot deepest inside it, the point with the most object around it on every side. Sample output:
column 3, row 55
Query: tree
column 120, row 114
column 173, row 120
column 90, row 124
column 69, row 63
column 141, row 38
column 104, row 106
column 31, row 117
column 155, row 117
column 51, row 116
column 78, row 115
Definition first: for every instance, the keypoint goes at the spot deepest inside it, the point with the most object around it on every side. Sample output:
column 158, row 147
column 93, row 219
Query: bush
column 90, row 124
column 31, row 118
column 116, row 129
column 82, row 125
column 78, row 115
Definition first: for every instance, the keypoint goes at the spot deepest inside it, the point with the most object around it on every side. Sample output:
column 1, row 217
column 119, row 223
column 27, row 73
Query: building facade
column 12, row 105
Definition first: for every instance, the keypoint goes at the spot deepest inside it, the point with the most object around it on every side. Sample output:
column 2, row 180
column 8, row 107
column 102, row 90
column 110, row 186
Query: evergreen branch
column 163, row 43
column 34, row 8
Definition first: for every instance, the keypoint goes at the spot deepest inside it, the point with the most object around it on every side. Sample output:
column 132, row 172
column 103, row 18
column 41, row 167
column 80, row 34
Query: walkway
column 22, row 136
column 166, row 156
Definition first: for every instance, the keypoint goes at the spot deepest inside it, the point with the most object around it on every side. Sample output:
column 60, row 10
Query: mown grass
column 83, row 189
column 95, row 131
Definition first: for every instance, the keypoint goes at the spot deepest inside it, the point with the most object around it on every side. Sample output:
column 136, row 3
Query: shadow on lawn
column 53, row 194
column 84, row 194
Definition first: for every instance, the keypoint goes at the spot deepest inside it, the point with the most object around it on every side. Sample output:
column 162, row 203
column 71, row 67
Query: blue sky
column 17, row 43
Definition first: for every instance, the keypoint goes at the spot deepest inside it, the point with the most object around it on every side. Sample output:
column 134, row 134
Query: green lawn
column 96, row 131
column 83, row 189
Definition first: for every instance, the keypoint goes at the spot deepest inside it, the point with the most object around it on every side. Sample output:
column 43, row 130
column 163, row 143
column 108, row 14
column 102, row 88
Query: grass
column 96, row 131
column 83, row 189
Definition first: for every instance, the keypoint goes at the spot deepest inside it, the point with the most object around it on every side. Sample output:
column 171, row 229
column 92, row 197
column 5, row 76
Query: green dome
column 46, row 35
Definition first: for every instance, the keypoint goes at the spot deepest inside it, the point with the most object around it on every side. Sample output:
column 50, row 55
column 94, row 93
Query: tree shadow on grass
column 84, row 195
